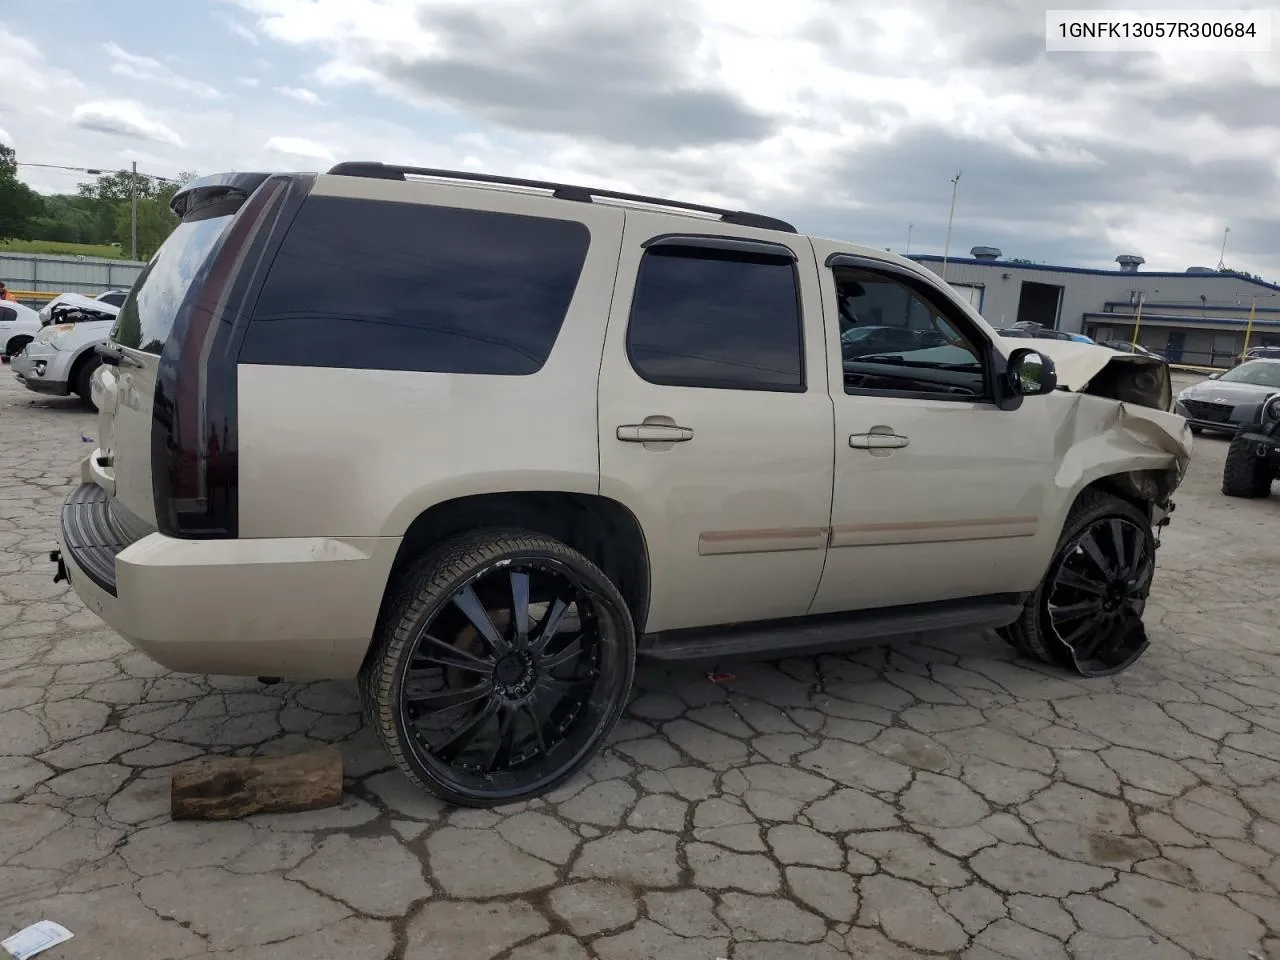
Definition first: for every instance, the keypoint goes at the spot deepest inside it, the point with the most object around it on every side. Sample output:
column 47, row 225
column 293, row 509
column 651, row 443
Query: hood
column 75, row 301
column 1217, row 391
column 1137, row 378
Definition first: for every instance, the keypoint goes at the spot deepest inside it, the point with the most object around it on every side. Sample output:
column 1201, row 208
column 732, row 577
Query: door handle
column 877, row 441
column 653, row 433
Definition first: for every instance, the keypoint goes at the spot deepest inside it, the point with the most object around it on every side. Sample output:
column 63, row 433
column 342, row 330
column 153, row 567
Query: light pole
column 946, row 247
column 1248, row 330
column 133, row 213
column 910, row 227
column 1137, row 318
column 1222, row 256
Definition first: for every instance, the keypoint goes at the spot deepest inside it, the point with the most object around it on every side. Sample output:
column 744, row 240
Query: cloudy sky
column 847, row 117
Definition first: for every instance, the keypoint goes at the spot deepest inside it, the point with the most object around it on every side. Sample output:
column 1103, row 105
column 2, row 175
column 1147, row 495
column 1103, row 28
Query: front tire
column 83, row 382
column 501, row 663
column 1245, row 475
column 1086, row 614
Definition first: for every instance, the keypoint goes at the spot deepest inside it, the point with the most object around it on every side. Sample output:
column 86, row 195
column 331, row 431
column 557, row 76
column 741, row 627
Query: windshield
column 148, row 314
column 1258, row 374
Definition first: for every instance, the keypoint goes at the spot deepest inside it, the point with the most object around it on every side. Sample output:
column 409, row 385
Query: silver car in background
column 1228, row 400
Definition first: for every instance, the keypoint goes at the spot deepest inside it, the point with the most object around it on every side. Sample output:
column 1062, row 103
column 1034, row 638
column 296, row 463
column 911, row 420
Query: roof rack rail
column 562, row 191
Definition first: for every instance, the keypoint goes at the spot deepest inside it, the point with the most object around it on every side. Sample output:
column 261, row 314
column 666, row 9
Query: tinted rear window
column 407, row 286
column 148, row 313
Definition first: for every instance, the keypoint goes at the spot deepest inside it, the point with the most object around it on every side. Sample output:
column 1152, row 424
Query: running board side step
column 775, row 639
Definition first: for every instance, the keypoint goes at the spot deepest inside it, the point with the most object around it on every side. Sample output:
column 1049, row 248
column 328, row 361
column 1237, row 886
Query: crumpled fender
column 1146, row 450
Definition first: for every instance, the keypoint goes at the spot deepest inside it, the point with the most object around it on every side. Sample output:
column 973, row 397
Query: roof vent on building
column 985, row 253
column 1201, row 270
column 1129, row 263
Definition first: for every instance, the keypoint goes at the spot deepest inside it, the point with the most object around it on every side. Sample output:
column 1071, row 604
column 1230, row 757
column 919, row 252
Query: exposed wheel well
column 19, row 339
column 1141, row 488
column 601, row 529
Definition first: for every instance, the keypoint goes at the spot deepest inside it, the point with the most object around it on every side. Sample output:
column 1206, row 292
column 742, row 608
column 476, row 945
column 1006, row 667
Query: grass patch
column 58, row 249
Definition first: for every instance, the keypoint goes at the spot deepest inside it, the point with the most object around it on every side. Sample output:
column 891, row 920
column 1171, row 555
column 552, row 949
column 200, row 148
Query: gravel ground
column 903, row 801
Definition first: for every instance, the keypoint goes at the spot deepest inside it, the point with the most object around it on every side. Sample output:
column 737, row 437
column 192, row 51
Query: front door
column 939, row 494
column 715, row 419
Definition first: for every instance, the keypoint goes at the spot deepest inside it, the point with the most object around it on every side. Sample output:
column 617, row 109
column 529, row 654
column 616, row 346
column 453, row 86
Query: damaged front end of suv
column 1121, row 454
column 1124, row 412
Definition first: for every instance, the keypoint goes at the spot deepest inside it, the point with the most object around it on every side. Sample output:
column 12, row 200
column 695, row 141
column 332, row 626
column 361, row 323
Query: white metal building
column 1197, row 317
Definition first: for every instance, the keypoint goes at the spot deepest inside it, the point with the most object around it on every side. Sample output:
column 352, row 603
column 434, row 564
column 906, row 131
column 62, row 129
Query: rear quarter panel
column 342, row 452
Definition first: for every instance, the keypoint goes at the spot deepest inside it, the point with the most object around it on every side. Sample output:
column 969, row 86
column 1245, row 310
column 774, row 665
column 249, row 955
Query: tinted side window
column 727, row 319
column 407, row 286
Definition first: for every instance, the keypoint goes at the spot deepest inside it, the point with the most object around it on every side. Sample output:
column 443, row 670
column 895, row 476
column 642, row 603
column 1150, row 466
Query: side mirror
column 1032, row 373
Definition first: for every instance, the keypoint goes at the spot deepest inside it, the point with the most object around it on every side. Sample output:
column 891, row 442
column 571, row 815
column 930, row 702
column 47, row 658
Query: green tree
column 111, row 196
column 19, row 204
column 155, row 223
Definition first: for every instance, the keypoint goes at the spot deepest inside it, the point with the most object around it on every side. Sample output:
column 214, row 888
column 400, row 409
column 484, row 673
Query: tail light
column 194, row 448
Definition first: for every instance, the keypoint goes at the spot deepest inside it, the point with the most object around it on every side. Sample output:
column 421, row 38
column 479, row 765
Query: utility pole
column 910, row 227
column 133, row 211
column 946, row 247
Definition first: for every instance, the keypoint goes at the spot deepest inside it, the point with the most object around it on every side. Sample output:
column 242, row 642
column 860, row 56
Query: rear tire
column 1086, row 614
column 82, row 383
column 501, row 662
column 1245, row 475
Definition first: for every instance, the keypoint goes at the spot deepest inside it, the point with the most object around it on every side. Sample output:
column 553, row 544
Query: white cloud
column 240, row 30
column 299, row 147
column 849, row 120
column 249, row 81
column 126, row 118
column 6, row 138
column 150, row 70
column 302, row 95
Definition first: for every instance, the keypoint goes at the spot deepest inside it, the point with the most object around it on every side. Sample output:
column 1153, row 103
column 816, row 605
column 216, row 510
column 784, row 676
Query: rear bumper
column 302, row 608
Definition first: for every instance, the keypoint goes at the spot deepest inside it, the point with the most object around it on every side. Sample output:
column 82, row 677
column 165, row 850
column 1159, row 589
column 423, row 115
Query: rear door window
column 724, row 319
column 410, row 286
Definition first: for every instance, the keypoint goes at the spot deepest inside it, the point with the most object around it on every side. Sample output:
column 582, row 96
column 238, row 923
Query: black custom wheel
column 1087, row 612
column 500, row 667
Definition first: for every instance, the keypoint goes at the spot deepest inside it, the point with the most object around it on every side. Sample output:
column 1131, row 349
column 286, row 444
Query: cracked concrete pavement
column 943, row 799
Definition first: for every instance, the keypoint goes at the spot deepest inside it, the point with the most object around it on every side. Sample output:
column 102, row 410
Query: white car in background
column 19, row 325
column 62, row 358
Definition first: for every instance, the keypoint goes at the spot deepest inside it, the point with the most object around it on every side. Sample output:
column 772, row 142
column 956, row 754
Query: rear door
column 122, row 461
column 715, row 421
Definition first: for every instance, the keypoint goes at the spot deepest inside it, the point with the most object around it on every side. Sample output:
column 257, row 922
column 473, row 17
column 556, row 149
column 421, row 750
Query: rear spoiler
column 234, row 187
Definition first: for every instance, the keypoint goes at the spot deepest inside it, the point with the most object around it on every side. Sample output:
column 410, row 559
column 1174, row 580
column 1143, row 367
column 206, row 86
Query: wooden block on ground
column 224, row 788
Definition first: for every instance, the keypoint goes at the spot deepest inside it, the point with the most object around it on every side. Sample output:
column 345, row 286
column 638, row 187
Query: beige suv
column 482, row 442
